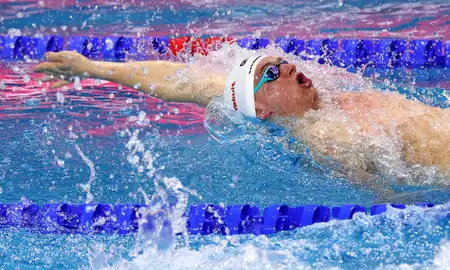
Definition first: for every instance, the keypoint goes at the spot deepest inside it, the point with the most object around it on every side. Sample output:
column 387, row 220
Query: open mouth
column 303, row 80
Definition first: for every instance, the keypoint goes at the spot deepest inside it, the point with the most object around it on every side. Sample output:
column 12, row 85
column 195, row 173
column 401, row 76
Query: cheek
column 295, row 96
column 275, row 92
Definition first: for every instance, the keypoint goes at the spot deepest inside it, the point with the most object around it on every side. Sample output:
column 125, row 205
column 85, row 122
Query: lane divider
column 201, row 219
column 346, row 53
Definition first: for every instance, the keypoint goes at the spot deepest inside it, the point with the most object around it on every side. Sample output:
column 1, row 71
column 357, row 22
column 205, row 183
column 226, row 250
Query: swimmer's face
column 292, row 94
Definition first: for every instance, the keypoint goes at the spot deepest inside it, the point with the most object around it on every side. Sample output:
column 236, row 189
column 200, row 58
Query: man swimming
column 365, row 134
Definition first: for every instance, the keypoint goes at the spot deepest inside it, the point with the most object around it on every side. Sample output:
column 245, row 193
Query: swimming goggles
column 270, row 74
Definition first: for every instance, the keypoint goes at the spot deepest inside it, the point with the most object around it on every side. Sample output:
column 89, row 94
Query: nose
column 288, row 70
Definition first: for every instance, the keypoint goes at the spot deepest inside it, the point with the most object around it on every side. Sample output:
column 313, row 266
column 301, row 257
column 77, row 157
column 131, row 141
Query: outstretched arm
column 170, row 81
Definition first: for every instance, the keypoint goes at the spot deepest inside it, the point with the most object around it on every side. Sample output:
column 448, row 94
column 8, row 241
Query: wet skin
column 292, row 94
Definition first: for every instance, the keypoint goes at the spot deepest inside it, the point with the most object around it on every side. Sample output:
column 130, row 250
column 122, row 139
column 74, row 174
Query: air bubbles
column 2, row 85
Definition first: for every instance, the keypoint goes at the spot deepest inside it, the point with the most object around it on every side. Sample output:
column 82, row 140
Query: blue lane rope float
column 346, row 53
column 201, row 219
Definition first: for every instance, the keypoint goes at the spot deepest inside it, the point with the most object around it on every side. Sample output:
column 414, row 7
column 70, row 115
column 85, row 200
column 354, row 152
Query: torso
column 371, row 132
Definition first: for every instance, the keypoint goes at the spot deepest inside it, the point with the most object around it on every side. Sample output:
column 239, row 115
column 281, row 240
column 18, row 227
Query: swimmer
column 367, row 134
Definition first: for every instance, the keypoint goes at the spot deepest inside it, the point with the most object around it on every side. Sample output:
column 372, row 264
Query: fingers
column 53, row 57
column 47, row 78
column 46, row 67
column 57, row 84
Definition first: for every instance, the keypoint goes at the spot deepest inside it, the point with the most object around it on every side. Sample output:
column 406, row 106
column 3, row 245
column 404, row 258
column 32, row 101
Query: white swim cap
column 238, row 92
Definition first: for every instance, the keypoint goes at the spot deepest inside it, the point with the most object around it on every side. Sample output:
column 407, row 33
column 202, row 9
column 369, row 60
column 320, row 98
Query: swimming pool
column 48, row 132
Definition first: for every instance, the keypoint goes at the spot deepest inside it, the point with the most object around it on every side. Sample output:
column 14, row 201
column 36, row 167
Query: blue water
column 257, row 171
column 39, row 161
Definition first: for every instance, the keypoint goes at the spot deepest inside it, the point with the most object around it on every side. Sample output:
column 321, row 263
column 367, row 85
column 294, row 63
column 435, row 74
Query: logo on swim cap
column 251, row 67
column 233, row 96
column 238, row 92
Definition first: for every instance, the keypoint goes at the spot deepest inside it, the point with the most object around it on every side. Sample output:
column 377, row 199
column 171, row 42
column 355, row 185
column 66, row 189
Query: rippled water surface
column 340, row 18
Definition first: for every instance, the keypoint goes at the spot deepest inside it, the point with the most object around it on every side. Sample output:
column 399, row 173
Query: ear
column 262, row 110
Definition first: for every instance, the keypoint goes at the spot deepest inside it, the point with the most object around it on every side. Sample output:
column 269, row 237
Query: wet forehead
column 262, row 66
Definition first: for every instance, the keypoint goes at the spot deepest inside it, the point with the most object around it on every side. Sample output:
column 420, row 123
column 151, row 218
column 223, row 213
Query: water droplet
column 109, row 44
column 142, row 116
column 60, row 162
column 60, row 97
column 176, row 111
column 152, row 88
column 20, row 15
column 26, row 78
column 77, row 83
column 32, row 102
column 14, row 32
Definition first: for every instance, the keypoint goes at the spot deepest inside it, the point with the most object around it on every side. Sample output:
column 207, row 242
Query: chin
column 315, row 104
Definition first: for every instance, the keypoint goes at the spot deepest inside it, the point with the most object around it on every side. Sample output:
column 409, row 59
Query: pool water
column 46, row 134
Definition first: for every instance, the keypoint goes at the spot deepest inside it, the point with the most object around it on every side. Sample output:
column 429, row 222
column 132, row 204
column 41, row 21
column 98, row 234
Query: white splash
column 442, row 258
column 87, row 187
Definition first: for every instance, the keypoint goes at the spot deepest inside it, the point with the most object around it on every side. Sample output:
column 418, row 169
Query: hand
column 63, row 67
